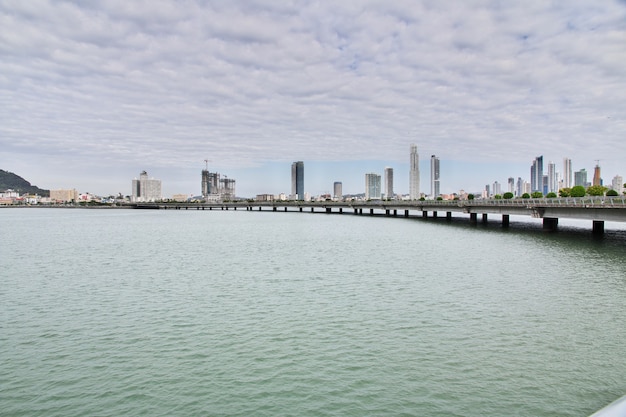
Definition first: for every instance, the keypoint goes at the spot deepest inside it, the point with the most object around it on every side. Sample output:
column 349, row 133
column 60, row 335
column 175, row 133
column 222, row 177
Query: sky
column 94, row 92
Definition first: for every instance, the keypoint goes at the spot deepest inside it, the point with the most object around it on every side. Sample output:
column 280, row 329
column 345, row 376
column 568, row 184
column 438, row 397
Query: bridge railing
column 599, row 202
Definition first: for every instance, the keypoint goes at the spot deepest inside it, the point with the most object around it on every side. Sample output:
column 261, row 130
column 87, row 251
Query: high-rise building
column 580, row 177
column 297, row 180
column 145, row 189
column 372, row 186
column 618, row 184
column 338, row 190
column 567, row 173
column 215, row 188
column 414, row 174
column 434, row 177
column 389, row 183
column 512, row 185
column 553, row 181
column 597, row 178
column 497, row 188
column 210, row 183
column 536, row 174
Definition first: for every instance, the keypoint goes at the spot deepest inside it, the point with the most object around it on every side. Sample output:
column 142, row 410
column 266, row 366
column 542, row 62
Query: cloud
column 252, row 82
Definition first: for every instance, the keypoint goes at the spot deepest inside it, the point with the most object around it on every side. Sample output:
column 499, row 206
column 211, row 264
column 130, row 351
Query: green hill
column 10, row 181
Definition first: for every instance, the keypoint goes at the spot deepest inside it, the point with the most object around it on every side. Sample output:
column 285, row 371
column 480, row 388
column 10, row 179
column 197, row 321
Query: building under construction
column 215, row 188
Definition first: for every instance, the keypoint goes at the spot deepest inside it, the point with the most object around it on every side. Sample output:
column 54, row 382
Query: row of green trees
column 577, row 191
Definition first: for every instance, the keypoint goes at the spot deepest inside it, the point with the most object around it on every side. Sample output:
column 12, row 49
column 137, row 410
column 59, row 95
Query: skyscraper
column 520, row 187
column 372, row 186
column 618, row 184
column 567, row 173
column 511, row 185
column 553, row 181
column 338, row 190
column 389, row 183
column 597, row 178
column 414, row 174
column 146, row 189
column 497, row 188
column 536, row 175
column 580, row 177
column 297, row 180
column 434, row 176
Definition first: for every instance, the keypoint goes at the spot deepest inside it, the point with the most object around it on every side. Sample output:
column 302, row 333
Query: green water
column 160, row 313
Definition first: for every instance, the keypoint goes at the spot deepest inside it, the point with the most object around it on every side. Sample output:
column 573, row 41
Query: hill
column 11, row 181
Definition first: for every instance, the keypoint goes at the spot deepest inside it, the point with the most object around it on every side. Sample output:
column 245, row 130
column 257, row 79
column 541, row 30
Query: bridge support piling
column 424, row 214
column 484, row 217
column 274, row 208
column 328, row 210
column 505, row 220
column 406, row 213
column 300, row 209
column 550, row 224
column 356, row 211
column 598, row 227
column 312, row 210
column 371, row 212
column 473, row 218
column 386, row 212
column 285, row 208
column 395, row 213
column 448, row 215
column 435, row 214
column 361, row 211
column 340, row 210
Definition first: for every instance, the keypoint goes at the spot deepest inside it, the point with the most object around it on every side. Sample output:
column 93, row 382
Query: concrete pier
column 505, row 220
column 550, row 224
column 598, row 227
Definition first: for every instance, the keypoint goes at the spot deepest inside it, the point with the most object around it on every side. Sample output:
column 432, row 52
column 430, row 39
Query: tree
column 537, row 194
column 497, row 197
column 565, row 192
column 508, row 196
column 525, row 195
column 596, row 190
column 612, row 193
column 578, row 191
column 471, row 196
column 551, row 195
column 439, row 198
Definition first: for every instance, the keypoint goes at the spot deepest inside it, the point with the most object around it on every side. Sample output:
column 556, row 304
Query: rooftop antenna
column 206, row 164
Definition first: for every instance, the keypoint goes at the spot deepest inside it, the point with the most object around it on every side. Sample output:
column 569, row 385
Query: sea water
column 233, row 313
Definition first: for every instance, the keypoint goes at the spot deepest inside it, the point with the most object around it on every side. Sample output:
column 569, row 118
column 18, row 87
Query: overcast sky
column 93, row 92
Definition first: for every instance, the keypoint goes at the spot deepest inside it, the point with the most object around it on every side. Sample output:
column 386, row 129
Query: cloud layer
column 170, row 83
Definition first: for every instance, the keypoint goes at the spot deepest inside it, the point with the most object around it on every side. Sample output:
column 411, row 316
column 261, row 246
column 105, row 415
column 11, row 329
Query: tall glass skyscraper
column 297, row 180
column 434, row 177
column 389, row 183
column 580, row 177
column 536, row 175
column 414, row 174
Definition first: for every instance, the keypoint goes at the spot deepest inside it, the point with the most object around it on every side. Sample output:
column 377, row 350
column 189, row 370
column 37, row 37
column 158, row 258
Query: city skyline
column 93, row 93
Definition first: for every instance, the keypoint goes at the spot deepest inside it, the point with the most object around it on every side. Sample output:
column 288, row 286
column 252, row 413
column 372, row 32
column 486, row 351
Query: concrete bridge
column 596, row 209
